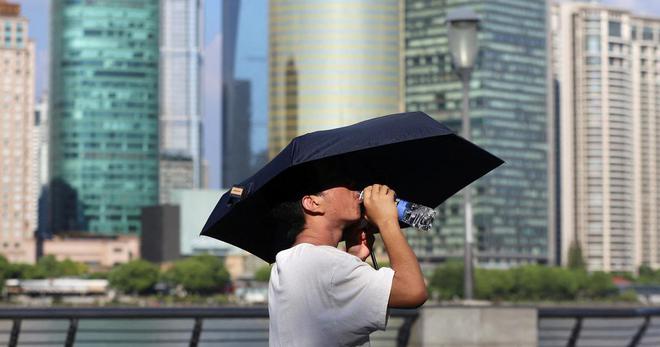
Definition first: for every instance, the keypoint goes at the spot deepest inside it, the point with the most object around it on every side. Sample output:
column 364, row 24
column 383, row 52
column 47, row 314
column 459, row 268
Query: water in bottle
column 416, row 215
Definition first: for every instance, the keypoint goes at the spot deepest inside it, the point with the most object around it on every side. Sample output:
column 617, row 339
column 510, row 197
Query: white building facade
column 181, row 83
column 606, row 65
column 18, row 182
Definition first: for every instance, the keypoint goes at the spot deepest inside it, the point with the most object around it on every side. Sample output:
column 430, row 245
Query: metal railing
column 599, row 327
column 183, row 326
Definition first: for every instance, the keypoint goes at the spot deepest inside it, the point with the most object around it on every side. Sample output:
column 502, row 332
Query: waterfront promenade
column 464, row 326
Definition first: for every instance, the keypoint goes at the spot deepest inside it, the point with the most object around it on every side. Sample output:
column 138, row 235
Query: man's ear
column 311, row 203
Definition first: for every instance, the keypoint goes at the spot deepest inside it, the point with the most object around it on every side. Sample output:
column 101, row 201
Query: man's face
column 342, row 204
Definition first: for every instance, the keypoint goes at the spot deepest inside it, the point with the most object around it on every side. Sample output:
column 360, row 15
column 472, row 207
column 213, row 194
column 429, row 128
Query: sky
column 250, row 57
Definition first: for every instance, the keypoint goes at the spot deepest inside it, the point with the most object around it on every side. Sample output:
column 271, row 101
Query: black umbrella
column 420, row 158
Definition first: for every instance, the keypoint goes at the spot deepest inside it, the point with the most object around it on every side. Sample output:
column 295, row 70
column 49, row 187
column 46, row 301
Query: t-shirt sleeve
column 361, row 294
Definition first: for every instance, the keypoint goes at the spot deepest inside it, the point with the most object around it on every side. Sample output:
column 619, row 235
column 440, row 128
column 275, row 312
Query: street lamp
column 463, row 24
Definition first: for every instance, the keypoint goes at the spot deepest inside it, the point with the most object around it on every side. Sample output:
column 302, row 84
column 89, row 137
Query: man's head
column 338, row 206
column 333, row 208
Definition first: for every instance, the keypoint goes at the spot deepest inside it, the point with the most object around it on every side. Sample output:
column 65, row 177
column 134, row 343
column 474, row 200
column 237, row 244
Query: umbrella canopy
column 418, row 157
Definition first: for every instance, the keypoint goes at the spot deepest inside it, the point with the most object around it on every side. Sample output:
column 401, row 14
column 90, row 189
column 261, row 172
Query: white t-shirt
column 322, row 296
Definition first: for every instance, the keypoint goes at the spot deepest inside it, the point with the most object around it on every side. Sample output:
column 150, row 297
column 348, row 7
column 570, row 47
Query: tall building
column 181, row 35
column 510, row 114
column 244, row 88
column 42, row 130
column 175, row 174
column 332, row 63
column 104, row 114
column 18, row 191
column 605, row 63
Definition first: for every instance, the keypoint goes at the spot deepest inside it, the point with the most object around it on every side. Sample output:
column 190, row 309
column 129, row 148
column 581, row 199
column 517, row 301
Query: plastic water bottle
column 416, row 215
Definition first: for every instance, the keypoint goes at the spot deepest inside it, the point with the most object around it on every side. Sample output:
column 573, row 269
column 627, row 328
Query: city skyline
column 289, row 55
column 37, row 12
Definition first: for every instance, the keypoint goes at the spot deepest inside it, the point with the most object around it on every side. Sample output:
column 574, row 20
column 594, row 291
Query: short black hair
column 288, row 218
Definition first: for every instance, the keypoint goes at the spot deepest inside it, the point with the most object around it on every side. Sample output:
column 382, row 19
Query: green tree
column 559, row 284
column 5, row 268
column 46, row 267
column 575, row 257
column 49, row 267
column 262, row 274
column 528, row 282
column 135, row 277
column 600, row 286
column 447, row 280
column 647, row 275
column 20, row 270
column 202, row 274
column 646, row 271
column 493, row 284
column 69, row 267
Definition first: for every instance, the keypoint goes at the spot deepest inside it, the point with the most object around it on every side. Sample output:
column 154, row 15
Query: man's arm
column 408, row 287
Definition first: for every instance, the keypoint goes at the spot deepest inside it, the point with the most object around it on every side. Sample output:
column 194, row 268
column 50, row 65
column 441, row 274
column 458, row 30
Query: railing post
column 71, row 333
column 404, row 331
column 197, row 331
column 575, row 334
column 15, row 332
column 640, row 333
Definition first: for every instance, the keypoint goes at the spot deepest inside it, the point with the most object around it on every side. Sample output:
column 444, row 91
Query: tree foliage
column 524, row 283
column 262, row 274
column 46, row 267
column 135, row 277
column 447, row 280
column 202, row 274
column 575, row 257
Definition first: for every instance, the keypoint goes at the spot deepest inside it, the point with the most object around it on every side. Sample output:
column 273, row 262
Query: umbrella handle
column 373, row 260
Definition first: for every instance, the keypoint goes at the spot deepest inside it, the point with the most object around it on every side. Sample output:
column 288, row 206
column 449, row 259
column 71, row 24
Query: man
column 321, row 296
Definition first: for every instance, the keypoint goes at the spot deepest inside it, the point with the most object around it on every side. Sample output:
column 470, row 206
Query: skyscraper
column 18, row 190
column 104, row 114
column 244, row 88
column 180, row 90
column 332, row 63
column 42, row 130
column 510, row 116
column 605, row 66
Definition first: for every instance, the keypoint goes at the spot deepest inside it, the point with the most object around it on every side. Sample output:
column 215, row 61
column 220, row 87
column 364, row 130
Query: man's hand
column 379, row 205
column 359, row 240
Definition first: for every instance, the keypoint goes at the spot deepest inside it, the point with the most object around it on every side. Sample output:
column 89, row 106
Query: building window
column 593, row 44
column 615, row 29
column 647, row 34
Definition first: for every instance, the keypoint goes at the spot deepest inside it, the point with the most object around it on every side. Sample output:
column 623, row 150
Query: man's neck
column 316, row 240
column 318, row 232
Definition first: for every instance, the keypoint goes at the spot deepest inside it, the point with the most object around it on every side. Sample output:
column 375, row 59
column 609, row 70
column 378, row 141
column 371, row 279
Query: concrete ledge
column 475, row 327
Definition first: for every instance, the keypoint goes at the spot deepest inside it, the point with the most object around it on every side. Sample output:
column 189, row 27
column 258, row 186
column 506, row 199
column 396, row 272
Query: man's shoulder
column 309, row 253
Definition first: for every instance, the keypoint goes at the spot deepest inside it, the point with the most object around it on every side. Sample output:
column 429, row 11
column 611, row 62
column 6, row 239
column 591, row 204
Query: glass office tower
column 104, row 114
column 509, row 112
column 332, row 63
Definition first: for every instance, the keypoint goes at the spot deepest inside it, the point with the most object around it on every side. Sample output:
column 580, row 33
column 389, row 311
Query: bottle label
column 401, row 206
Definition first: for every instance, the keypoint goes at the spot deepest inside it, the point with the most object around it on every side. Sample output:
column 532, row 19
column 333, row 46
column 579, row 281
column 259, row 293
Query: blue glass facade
column 104, row 114
column 508, row 111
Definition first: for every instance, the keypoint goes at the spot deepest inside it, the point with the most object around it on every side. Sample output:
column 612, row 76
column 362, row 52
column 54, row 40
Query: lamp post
column 462, row 36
